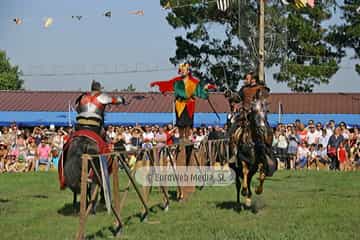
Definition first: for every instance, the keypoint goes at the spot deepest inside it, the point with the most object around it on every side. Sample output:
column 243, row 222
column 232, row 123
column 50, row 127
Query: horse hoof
column 258, row 190
column 244, row 192
column 118, row 231
column 166, row 207
column 248, row 202
column 144, row 217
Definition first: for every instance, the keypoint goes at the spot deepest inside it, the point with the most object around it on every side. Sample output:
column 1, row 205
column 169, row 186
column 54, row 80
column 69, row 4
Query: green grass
column 294, row 205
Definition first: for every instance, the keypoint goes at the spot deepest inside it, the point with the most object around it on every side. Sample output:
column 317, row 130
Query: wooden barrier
column 207, row 153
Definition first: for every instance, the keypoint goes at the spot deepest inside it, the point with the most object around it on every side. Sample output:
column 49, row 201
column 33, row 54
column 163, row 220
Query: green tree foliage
column 309, row 60
column 222, row 49
column 9, row 75
column 347, row 34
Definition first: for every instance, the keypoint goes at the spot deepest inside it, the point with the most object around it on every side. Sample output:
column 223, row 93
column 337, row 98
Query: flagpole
column 261, row 40
column 279, row 113
column 69, row 114
column 174, row 113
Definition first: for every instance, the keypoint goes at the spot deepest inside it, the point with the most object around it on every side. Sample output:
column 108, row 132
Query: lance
column 213, row 108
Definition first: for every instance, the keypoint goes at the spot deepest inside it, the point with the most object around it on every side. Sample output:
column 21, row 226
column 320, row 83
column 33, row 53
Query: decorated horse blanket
column 101, row 144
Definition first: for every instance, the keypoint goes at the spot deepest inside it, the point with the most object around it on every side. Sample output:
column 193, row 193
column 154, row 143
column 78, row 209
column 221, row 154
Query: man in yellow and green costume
column 186, row 88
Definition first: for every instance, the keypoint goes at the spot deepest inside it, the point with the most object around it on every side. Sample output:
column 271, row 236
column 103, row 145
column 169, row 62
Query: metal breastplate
column 90, row 107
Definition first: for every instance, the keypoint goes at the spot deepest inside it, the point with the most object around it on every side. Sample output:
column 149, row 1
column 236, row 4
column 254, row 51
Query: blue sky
column 97, row 44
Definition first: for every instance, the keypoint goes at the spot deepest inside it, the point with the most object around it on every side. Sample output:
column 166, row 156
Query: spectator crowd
column 335, row 147
column 29, row 149
column 331, row 145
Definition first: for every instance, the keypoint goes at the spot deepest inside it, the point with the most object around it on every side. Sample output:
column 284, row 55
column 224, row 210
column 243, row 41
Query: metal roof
column 58, row 101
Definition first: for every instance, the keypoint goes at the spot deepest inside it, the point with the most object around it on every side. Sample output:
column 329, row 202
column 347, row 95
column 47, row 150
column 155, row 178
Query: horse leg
column 245, row 171
column 248, row 201
column 74, row 202
column 238, row 186
column 93, row 197
column 259, row 188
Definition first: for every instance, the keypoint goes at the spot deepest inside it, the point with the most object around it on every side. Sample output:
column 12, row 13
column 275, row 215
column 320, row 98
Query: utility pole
column 261, row 41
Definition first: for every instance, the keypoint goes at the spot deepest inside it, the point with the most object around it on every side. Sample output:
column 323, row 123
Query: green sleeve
column 179, row 89
column 201, row 92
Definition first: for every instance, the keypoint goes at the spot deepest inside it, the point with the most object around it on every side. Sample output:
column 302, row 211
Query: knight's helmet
column 96, row 86
column 184, row 69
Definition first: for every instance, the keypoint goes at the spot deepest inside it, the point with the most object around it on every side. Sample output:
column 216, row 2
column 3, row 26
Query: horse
column 251, row 141
column 72, row 165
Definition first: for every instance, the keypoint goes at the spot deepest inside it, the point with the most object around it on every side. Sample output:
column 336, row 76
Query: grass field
column 294, row 205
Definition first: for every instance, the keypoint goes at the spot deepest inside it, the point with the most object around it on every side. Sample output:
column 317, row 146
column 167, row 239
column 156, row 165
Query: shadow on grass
column 40, row 196
column 172, row 195
column 2, row 200
column 68, row 210
column 255, row 207
column 103, row 233
column 230, row 205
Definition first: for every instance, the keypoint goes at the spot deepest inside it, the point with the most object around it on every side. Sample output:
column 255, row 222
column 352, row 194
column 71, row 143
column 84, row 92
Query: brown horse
column 252, row 143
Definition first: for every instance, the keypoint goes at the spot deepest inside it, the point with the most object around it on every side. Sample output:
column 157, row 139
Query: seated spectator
column 3, row 155
column 322, row 155
column 302, row 154
column 356, row 158
column 44, row 155
column 31, row 155
column 313, row 157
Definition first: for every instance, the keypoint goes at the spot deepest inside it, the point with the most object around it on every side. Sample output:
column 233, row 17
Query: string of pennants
column 223, row 5
column 48, row 21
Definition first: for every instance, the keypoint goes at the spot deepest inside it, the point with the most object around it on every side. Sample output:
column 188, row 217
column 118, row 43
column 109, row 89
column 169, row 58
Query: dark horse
column 252, row 140
column 78, row 146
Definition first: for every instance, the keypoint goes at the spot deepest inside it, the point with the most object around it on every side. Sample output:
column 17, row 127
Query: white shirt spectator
column 127, row 137
column 312, row 137
column 303, row 152
column 111, row 134
column 148, row 136
column 282, row 142
column 323, row 140
column 329, row 131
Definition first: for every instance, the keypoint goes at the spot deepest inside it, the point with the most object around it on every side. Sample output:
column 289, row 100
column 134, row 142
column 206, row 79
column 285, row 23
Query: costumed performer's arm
column 201, row 90
column 166, row 86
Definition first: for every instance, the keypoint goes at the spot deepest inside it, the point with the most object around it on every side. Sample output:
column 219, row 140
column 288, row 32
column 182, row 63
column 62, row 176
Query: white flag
column 223, row 5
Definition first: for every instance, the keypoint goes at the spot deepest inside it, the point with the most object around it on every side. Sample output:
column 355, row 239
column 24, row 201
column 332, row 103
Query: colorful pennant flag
column 48, row 22
column 167, row 5
column 18, row 21
column 107, row 14
column 311, row 3
column 300, row 3
column 223, row 5
column 77, row 17
column 138, row 12
column 285, row 2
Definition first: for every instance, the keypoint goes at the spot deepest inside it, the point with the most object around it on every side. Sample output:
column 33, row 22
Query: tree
column 347, row 34
column 310, row 60
column 129, row 88
column 224, row 58
column 9, row 75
